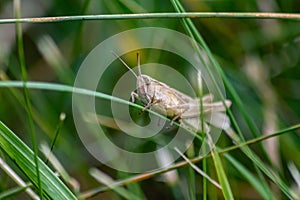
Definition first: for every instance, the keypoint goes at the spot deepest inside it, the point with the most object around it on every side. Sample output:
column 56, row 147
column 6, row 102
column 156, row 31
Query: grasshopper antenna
column 139, row 63
column 122, row 61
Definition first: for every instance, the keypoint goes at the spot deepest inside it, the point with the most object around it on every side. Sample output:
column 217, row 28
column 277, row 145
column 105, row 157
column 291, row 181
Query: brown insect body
column 177, row 105
column 160, row 97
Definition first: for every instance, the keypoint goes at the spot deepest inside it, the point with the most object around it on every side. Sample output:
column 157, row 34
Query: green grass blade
column 52, row 187
column 17, row 10
column 262, row 166
column 226, row 189
column 255, row 182
column 191, row 179
column 188, row 24
column 70, row 89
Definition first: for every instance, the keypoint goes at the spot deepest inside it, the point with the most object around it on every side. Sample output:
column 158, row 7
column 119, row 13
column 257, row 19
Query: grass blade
column 264, row 192
column 168, row 15
column 226, row 189
column 193, row 32
column 52, row 187
column 17, row 10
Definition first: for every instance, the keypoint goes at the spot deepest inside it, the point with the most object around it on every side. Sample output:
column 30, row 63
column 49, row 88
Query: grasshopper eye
column 149, row 81
column 146, row 80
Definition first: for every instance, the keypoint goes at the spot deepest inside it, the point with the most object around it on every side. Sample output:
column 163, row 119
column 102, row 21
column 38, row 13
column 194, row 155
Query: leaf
column 23, row 156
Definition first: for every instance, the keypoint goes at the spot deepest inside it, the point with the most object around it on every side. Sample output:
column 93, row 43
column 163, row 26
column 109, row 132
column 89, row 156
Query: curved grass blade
column 71, row 89
column 264, row 192
column 226, row 189
column 193, row 32
column 23, row 156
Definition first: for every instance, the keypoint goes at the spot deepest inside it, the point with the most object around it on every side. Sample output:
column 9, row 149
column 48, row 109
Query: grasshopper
column 175, row 104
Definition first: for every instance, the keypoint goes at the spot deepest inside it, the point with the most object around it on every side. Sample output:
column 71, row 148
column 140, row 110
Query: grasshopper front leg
column 149, row 100
column 136, row 96
column 152, row 102
column 133, row 96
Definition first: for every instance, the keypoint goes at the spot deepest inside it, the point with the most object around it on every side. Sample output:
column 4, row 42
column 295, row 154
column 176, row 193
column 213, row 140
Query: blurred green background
column 259, row 56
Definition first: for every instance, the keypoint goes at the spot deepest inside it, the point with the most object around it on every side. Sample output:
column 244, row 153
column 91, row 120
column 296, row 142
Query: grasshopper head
column 143, row 85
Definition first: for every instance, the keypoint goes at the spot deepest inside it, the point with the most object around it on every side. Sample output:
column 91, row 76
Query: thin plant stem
column 62, row 118
column 247, row 15
column 17, row 8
